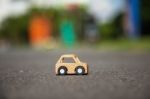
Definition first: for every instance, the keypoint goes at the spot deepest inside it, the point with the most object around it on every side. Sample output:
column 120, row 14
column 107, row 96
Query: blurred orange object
column 39, row 30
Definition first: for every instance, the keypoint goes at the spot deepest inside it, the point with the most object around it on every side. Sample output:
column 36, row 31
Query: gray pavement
column 28, row 74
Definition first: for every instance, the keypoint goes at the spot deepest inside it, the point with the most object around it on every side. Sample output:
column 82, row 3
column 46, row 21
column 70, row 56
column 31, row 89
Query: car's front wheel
column 80, row 70
column 62, row 70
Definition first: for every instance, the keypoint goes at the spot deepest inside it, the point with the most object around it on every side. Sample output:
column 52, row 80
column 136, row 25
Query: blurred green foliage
column 124, row 44
column 113, row 29
column 145, row 17
column 15, row 28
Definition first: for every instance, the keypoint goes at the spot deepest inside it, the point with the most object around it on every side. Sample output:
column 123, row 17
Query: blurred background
column 59, row 24
column 112, row 36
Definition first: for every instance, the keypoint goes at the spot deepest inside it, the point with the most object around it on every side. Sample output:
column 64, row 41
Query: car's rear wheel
column 80, row 70
column 62, row 70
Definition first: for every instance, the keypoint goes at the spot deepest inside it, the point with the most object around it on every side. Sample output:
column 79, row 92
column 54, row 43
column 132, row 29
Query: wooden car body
column 71, row 66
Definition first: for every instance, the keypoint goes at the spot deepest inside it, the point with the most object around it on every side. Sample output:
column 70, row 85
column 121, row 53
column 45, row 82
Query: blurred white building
column 17, row 7
column 106, row 10
column 12, row 7
column 102, row 9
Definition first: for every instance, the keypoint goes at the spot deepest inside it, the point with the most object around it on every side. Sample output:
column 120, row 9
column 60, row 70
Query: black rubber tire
column 80, row 67
column 65, row 70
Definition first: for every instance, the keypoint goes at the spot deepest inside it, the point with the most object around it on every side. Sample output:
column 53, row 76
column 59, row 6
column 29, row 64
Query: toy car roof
column 69, row 55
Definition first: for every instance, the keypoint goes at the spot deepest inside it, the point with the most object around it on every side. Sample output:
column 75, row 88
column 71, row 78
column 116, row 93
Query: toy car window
column 68, row 60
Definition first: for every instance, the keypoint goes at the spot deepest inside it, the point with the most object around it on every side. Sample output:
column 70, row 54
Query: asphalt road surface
column 28, row 74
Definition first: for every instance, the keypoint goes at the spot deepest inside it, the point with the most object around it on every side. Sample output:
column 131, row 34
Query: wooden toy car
column 74, row 67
